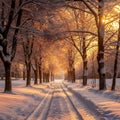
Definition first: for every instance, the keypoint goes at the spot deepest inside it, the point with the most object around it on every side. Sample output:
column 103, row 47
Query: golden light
column 117, row 8
column 106, row 19
column 115, row 25
column 109, row 19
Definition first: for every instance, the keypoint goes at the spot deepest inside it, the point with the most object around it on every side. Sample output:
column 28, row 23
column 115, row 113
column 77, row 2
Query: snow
column 30, row 102
column 7, row 58
column 1, row 36
column 107, row 102
column 60, row 107
column 1, row 48
column 34, row 68
column 21, row 103
column 108, row 83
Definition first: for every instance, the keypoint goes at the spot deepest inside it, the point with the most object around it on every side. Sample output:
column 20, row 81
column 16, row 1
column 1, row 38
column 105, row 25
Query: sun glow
column 115, row 25
column 117, row 8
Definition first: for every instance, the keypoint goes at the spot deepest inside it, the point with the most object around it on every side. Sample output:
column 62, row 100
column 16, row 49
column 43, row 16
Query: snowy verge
column 100, row 102
column 23, row 101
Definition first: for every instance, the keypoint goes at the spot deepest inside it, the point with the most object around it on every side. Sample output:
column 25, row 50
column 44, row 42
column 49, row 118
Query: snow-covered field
column 26, row 103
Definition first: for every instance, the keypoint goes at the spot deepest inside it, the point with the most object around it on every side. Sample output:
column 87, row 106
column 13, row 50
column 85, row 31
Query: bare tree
column 28, row 48
column 11, row 12
column 99, row 16
column 35, row 69
column 116, row 58
column 71, row 61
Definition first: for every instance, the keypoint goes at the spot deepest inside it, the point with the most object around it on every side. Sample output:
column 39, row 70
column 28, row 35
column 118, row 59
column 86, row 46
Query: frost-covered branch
column 82, row 31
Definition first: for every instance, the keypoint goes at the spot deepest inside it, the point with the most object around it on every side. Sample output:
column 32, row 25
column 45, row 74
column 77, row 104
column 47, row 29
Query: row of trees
column 95, row 24
column 21, row 25
column 92, row 26
column 83, row 27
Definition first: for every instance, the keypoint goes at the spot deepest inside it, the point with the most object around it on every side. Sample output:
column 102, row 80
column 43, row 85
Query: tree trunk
column 93, row 72
column 115, row 67
column 116, row 59
column 8, row 85
column 23, row 75
column 40, row 75
column 85, row 73
column 73, row 75
column 28, row 82
column 85, row 69
column 44, row 77
column 100, row 56
column 68, row 77
column 52, row 76
column 36, row 77
column 101, row 69
column 114, row 77
column 47, row 77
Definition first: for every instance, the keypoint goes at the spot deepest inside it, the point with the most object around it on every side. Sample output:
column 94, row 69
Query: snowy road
column 56, row 105
column 61, row 104
column 40, row 112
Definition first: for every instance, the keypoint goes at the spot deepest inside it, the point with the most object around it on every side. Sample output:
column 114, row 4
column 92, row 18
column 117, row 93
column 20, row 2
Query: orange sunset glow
column 59, row 60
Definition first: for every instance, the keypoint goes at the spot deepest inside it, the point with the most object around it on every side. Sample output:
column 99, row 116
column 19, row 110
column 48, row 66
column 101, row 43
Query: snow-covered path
column 40, row 112
column 56, row 105
column 63, row 104
column 61, row 107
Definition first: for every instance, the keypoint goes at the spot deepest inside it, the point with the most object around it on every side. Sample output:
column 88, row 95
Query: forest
column 79, row 37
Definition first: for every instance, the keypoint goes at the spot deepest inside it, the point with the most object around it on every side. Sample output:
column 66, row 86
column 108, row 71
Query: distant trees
column 71, row 64
column 84, row 40
column 37, row 59
column 79, row 36
column 36, row 64
column 40, row 61
column 28, row 48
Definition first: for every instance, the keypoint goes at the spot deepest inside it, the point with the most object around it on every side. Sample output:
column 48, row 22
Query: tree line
column 36, row 25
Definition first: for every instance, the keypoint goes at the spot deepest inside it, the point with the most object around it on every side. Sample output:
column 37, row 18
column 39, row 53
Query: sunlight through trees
column 52, row 37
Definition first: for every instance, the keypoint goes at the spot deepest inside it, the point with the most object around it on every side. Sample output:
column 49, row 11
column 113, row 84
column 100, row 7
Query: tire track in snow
column 88, row 110
column 62, row 107
column 40, row 112
column 71, row 102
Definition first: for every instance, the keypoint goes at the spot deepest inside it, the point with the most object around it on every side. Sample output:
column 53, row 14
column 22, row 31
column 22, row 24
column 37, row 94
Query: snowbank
column 20, row 104
column 106, row 102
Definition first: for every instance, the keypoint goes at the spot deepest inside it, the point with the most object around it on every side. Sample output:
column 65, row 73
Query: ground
column 58, row 100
